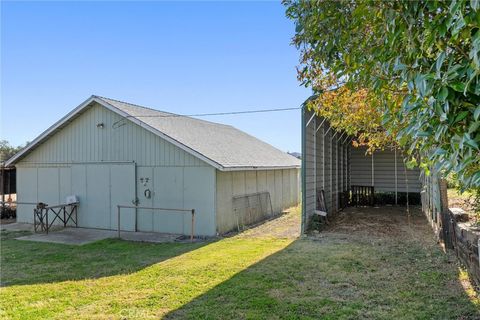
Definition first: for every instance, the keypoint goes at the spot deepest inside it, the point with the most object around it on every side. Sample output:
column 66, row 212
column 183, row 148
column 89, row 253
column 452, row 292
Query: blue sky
column 182, row 57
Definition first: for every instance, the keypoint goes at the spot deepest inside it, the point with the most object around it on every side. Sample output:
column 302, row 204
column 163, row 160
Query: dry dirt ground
column 386, row 221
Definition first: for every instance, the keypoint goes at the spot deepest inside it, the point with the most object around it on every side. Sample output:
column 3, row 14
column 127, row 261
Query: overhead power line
column 172, row 115
column 211, row 114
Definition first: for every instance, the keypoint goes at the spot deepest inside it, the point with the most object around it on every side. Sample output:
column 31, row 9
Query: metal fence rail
column 64, row 212
column 192, row 211
column 8, row 208
column 252, row 208
column 362, row 195
column 41, row 222
column 2, row 203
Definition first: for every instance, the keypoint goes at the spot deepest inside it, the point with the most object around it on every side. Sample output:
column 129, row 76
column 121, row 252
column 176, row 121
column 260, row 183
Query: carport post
column 118, row 220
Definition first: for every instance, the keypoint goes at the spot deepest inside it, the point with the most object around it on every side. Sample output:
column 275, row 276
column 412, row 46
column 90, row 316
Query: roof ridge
column 156, row 110
column 137, row 105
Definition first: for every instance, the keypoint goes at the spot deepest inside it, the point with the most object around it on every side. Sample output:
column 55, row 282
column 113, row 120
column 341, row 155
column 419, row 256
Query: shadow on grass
column 27, row 262
column 339, row 278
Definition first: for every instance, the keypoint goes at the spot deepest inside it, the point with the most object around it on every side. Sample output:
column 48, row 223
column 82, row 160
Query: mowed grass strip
column 339, row 279
column 148, row 291
column 337, row 276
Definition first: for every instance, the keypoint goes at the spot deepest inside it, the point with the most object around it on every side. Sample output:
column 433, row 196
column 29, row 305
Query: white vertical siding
column 281, row 184
column 146, row 216
column 277, row 201
column 271, row 186
column 100, row 187
column 225, row 215
column 168, row 193
column 413, row 176
column 383, row 171
column 250, row 182
column 334, row 171
column 361, row 167
column 328, row 168
column 261, row 180
column 27, row 191
column 199, row 193
column 81, row 141
column 177, row 188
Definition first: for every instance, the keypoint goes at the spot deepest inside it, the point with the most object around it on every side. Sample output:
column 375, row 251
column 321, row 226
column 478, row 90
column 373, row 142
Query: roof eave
column 49, row 131
column 251, row 168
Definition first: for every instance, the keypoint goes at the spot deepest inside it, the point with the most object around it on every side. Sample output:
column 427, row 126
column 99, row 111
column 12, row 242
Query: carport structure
column 336, row 174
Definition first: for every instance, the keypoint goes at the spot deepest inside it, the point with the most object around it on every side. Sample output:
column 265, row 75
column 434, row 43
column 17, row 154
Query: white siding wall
column 361, row 166
column 82, row 141
column 383, row 178
column 177, row 187
column 99, row 187
column 283, row 186
column 81, row 154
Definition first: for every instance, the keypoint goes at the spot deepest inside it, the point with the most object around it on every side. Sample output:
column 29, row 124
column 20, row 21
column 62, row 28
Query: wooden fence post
column 445, row 214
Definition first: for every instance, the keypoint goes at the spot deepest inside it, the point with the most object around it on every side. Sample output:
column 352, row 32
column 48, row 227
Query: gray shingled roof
column 223, row 144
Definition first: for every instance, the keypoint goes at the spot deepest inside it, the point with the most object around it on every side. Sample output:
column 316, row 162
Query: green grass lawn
column 261, row 276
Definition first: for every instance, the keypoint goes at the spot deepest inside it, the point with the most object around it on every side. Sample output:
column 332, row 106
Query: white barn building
column 109, row 153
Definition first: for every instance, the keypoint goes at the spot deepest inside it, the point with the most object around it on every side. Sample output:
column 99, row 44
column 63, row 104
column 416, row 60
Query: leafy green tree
column 7, row 151
column 419, row 62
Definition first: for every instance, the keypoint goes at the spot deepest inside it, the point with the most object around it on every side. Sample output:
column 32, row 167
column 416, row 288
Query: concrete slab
column 72, row 236
column 7, row 221
column 17, row 226
column 81, row 236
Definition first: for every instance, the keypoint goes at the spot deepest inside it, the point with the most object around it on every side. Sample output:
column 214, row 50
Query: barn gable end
column 99, row 134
